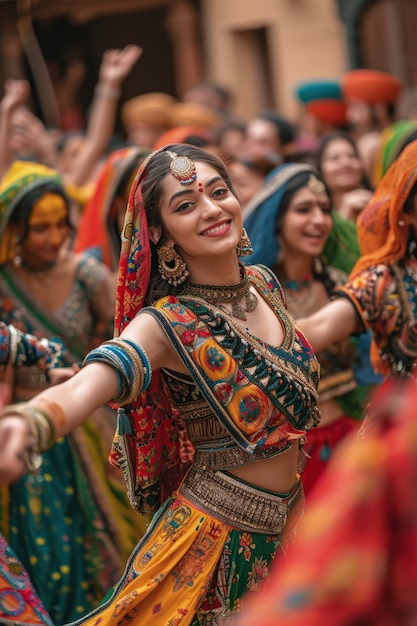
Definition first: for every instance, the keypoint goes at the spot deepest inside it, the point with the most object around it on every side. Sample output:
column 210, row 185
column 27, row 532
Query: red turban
column 328, row 111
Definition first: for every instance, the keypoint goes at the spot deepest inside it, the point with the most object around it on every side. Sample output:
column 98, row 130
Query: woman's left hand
column 15, row 446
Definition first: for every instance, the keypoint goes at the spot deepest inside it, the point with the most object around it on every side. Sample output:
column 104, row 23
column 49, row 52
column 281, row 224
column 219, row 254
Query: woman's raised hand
column 117, row 64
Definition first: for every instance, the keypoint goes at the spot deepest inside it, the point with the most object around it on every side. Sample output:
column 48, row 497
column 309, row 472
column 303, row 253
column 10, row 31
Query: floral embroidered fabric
column 385, row 298
column 265, row 396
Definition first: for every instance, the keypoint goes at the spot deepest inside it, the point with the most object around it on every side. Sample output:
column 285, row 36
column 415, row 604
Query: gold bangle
column 41, row 428
column 32, row 458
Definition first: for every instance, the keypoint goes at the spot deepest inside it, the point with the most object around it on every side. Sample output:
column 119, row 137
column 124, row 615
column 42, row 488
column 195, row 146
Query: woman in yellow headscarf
column 70, row 524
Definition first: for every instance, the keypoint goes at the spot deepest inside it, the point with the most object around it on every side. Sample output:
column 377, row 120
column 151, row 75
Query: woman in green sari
column 70, row 523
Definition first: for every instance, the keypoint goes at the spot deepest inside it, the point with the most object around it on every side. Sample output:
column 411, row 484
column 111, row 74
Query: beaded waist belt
column 243, row 506
column 207, row 457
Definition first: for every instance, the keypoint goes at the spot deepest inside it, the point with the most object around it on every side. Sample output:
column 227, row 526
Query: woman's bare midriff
column 276, row 474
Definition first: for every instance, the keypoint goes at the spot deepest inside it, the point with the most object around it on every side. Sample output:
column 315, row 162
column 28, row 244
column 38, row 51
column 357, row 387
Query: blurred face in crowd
column 341, row 166
column 262, row 140
column 359, row 116
column 144, row 135
column 306, row 224
column 69, row 153
column 245, row 180
column 48, row 230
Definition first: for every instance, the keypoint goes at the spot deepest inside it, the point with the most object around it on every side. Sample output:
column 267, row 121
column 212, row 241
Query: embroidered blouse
column 336, row 362
column 385, row 299
column 244, row 399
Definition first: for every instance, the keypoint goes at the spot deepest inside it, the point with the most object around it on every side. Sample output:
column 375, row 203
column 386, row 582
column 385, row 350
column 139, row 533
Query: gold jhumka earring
column 244, row 247
column 171, row 266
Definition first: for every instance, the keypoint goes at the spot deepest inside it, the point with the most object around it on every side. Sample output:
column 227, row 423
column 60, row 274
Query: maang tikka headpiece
column 315, row 184
column 182, row 168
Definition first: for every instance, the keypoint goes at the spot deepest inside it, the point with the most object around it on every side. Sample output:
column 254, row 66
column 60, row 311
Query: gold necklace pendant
column 226, row 294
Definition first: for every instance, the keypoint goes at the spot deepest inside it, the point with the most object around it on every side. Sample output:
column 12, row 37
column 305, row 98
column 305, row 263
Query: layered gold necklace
column 219, row 295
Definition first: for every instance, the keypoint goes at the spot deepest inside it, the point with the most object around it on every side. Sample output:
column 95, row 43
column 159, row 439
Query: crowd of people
column 208, row 341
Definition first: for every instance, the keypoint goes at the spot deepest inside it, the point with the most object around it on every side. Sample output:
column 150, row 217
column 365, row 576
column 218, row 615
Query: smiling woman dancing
column 214, row 382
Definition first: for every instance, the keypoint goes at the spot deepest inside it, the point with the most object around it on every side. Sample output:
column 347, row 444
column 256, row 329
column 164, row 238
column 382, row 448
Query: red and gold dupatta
column 147, row 443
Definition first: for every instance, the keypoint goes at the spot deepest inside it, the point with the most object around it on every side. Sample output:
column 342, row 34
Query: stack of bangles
column 131, row 364
column 41, row 427
column 133, row 369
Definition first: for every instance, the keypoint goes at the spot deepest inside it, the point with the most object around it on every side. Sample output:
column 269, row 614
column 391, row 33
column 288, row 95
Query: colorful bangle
column 131, row 363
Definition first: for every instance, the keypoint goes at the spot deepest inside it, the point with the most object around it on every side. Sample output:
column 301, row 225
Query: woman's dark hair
column 67, row 137
column 262, row 165
column 405, row 142
column 328, row 139
column 285, row 129
column 297, row 182
column 409, row 203
column 152, row 189
column 129, row 167
column 23, row 210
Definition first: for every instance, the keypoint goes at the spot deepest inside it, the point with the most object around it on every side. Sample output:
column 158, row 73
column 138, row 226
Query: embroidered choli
column 243, row 400
column 385, row 299
column 336, row 361
column 74, row 322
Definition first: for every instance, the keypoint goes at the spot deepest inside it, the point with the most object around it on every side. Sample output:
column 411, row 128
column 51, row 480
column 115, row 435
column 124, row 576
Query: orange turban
column 150, row 108
column 371, row 86
column 193, row 114
column 181, row 134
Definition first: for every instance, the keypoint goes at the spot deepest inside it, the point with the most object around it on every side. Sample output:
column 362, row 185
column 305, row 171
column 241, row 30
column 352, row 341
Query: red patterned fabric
column 154, row 466
column 321, row 445
column 355, row 557
column 19, row 602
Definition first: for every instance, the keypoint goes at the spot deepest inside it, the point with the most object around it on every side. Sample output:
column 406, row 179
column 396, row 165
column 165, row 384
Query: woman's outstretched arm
column 333, row 322
column 31, row 427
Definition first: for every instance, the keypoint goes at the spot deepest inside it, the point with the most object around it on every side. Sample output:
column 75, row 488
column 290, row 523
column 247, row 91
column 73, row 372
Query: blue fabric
column 260, row 224
column 363, row 370
column 262, row 213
